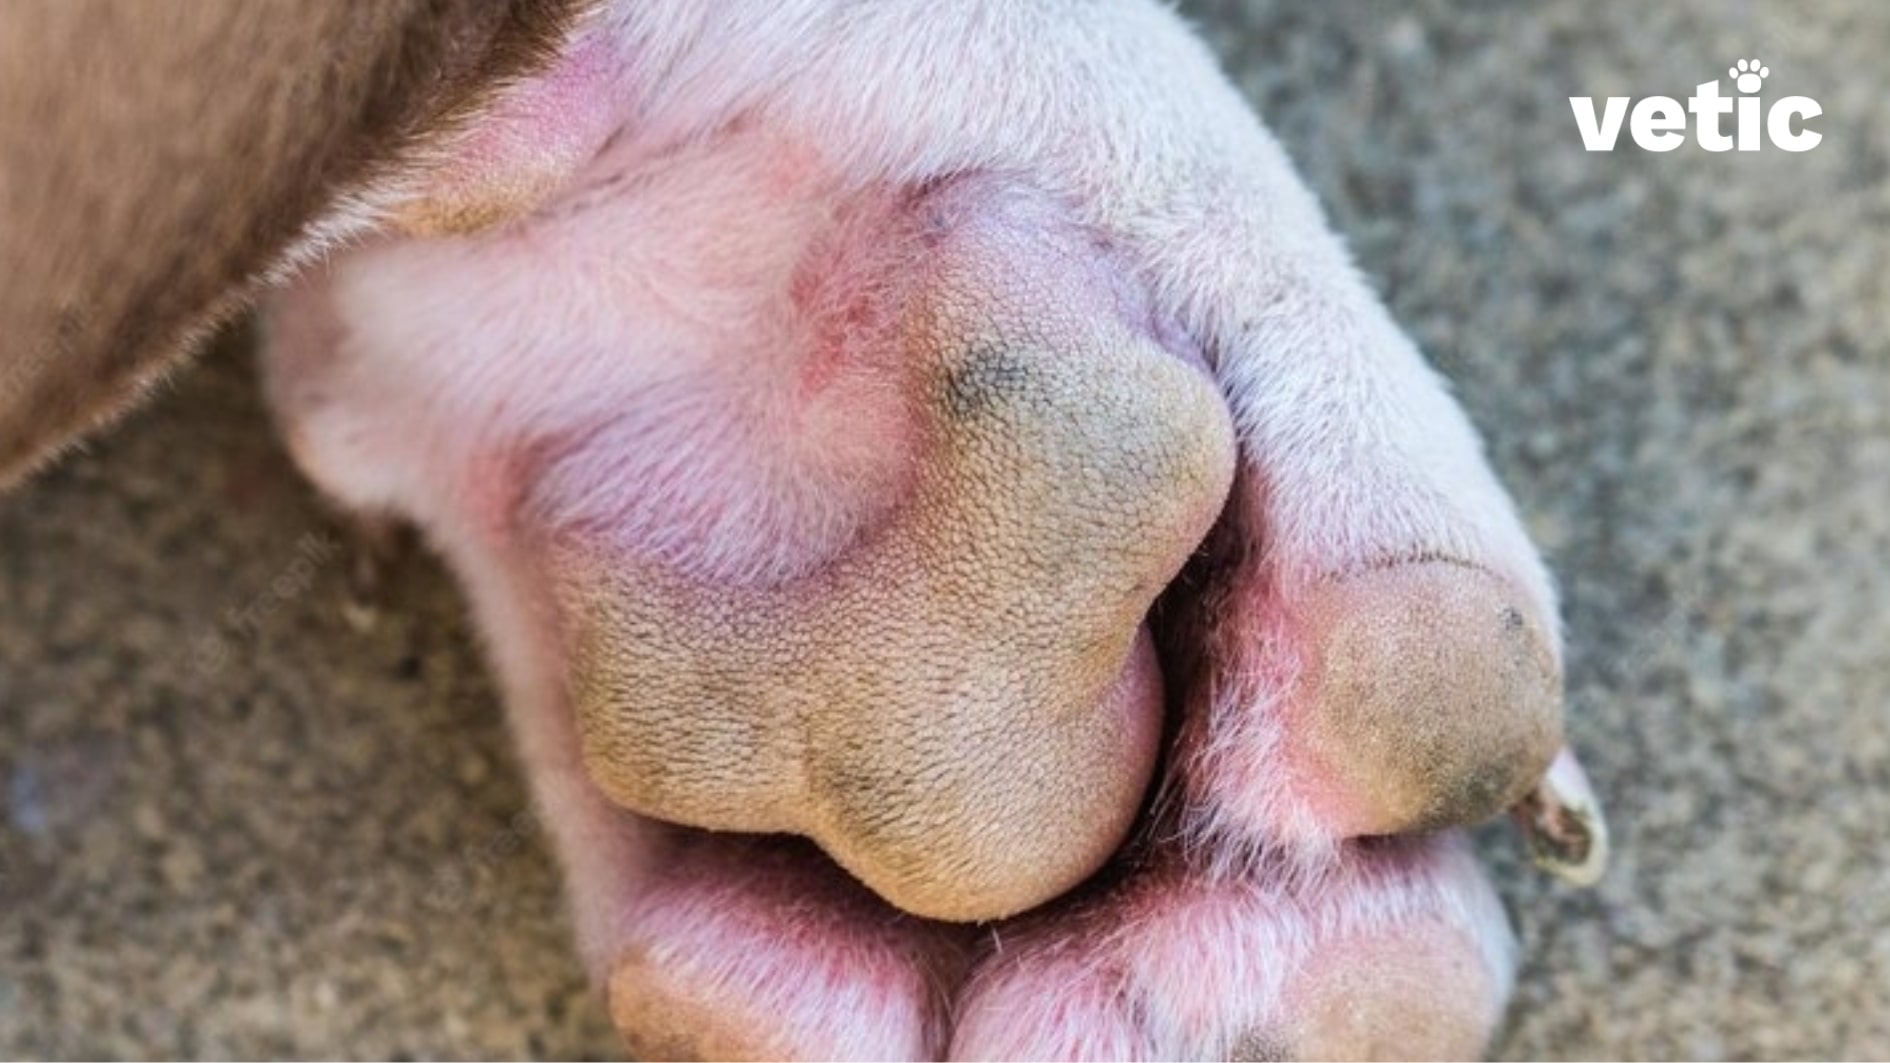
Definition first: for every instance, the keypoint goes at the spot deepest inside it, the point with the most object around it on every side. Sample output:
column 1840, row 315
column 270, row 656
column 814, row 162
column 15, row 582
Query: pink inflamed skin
column 973, row 569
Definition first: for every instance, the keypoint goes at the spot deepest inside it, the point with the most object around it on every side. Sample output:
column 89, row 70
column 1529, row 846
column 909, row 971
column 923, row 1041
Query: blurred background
column 234, row 823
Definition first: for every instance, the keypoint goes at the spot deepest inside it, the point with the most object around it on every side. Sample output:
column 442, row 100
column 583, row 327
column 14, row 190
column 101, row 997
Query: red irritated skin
column 814, row 400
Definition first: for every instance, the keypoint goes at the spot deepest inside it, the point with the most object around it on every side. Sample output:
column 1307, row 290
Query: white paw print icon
column 1749, row 74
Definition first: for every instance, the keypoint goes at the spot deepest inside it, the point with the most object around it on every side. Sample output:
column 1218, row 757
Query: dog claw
column 1562, row 823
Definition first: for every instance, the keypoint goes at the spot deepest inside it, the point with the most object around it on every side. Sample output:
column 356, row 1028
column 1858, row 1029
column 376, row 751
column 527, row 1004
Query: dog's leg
column 162, row 160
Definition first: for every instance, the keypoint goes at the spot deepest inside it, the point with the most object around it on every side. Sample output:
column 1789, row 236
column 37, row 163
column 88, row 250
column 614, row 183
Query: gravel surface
column 233, row 824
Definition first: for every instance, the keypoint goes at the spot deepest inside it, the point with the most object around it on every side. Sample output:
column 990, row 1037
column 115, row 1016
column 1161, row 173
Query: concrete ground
column 234, row 825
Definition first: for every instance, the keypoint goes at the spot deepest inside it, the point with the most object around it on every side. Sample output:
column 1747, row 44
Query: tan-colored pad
column 1422, row 994
column 961, row 710
column 1433, row 695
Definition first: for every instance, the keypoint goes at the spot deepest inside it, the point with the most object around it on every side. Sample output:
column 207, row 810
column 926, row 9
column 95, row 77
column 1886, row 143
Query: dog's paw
column 838, row 458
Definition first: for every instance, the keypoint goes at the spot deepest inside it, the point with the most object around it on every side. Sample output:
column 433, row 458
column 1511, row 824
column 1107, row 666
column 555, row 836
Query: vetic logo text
column 1659, row 123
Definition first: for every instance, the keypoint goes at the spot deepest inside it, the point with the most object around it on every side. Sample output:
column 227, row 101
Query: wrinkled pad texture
column 232, row 825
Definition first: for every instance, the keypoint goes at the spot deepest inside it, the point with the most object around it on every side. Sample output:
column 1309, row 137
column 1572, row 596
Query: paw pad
column 1749, row 74
column 963, row 707
column 1438, row 698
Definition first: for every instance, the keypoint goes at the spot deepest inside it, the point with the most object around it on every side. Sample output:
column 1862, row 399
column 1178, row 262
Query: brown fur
column 160, row 157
